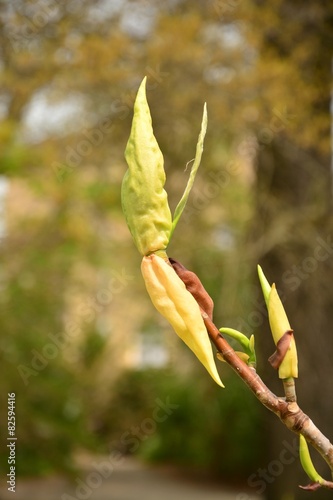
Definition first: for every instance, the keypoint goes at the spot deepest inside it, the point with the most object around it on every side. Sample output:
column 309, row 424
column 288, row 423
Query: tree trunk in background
column 292, row 238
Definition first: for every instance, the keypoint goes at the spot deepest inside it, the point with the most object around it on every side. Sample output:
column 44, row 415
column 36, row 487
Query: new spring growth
column 308, row 466
column 249, row 354
column 148, row 217
column 285, row 358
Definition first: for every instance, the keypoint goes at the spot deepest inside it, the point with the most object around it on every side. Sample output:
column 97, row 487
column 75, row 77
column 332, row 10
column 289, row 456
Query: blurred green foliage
column 221, row 433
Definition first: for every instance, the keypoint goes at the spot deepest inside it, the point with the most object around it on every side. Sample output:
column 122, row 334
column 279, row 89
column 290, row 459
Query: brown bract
column 195, row 287
column 311, row 487
column 281, row 349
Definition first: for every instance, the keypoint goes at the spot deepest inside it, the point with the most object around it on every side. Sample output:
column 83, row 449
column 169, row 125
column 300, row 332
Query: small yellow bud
column 279, row 326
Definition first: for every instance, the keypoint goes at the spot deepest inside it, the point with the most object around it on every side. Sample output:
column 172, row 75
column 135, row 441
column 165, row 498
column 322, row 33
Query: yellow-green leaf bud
column 279, row 326
column 171, row 298
column 144, row 200
column 249, row 356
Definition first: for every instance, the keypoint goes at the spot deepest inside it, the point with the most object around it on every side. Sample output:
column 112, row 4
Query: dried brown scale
column 311, row 487
column 281, row 349
column 316, row 486
column 194, row 286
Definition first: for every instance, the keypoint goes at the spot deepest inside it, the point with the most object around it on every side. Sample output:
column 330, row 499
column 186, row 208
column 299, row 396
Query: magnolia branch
column 149, row 219
column 288, row 411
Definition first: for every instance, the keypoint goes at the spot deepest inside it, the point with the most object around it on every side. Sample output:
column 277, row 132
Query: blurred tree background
column 80, row 344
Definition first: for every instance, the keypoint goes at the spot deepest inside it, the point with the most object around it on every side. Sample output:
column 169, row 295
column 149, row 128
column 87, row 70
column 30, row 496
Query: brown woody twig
column 285, row 408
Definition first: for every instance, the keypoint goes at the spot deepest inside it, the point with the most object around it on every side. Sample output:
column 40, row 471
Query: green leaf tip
column 199, row 150
column 235, row 334
column 306, row 461
column 265, row 286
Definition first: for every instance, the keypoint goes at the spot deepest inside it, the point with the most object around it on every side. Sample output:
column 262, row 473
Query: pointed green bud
column 266, row 287
column 306, row 461
column 144, row 200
